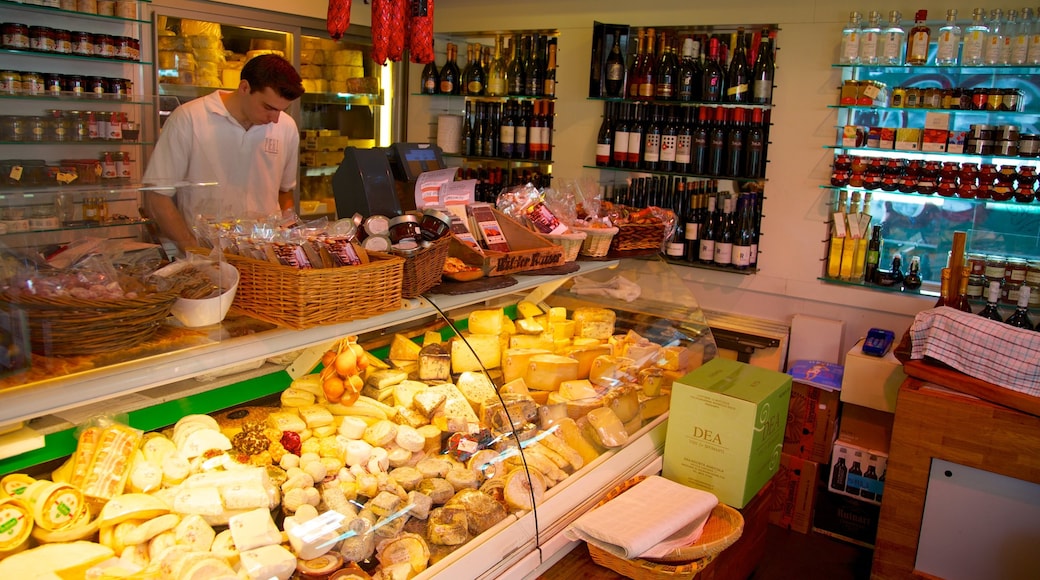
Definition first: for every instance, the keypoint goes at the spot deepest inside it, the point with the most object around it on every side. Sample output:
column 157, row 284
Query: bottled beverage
column 717, row 143
column 735, row 138
column 991, row 311
column 912, row 280
column 725, row 235
column 840, row 474
column 515, row 75
column 850, row 40
column 667, row 71
column 711, row 89
column 550, row 122
column 632, row 90
column 479, row 125
column 868, row 492
column 962, row 302
column 756, row 226
column 1023, row 36
column 522, row 131
column 868, row 39
column 742, row 242
column 491, row 130
column 944, row 290
column 496, row 73
column 946, row 53
column 1010, row 32
column 756, row 146
column 549, row 84
column 691, row 231
column 669, row 140
column 738, row 77
column 614, row 70
column 430, row 79
column 677, row 244
column 648, row 70
column 1033, row 52
column 709, row 229
column 852, row 484
column 652, row 141
column 896, row 274
column 535, row 132
column 534, row 73
column 994, row 38
column 917, row 40
column 464, row 75
column 699, row 142
column 691, row 75
column 684, row 141
column 636, row 135
column 619, row 156
column 507, row 134
column 762, row 73
column 475, row 74
column 449, row 76
column 605, row 136
column 892, row 41
column 975, row 35
column 467, row 131
column 1020, row 317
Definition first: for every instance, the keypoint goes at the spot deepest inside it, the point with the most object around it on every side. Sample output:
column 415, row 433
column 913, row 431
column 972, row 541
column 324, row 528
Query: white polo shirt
column 202, row 143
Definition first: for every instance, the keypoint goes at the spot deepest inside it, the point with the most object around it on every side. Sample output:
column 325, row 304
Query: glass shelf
column 487, row 98
column 682, row 103
column 677, row 262
column 359, row 99
column 74, row 13
column 80, row 226
column 1016, row 69
column 878, row 194
column 500, row 159
column 694, row 175
column 923, row 292
column 67, row 97
column 929, row 110
column 906, row 154
column 47, row 190
column 59, row 56
column 78, row 143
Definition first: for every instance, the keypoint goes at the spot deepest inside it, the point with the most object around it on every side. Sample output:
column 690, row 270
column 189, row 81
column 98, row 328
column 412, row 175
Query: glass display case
column 626, row 320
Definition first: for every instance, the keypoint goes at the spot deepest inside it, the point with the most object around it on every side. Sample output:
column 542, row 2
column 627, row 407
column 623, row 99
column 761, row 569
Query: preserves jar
column 116, row 88
column 1004, row 185
column 108, row 166
column 976, row 287
column 435, row 224
column 13, row 128
column 79, row 129
column 927, row 181
column 14, row 36
column 898, row 97
column 995, row 266
column 404, row 227
column 106, row 7
column 1033, row 273
column 965, row 99
column 950, row 99
column 976, row 264
column 967, row 180
column 874, row 172
column 124, row 49
column 32, row 84
column 1009, row 292
column 931, row 98
column 82, row 43
column 913, row 98
column 62, row 41
column 126, row 9
column 88, row 6
column 115, row 127
column 10, row 82
column 97, row 87
column 1011, row 100
column 59, row 125
column 69, row 5
column 37, row 129
column 41, row 38
column 948, row 179
column 1015, row 270
column 104, row 46
column 54, row 83
column 994, row 98
column 74, row 85
column 1028, row 145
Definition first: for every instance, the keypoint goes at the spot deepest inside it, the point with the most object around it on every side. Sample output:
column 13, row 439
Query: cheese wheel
column 54, row 505
column 15, row 524
column 14, row 485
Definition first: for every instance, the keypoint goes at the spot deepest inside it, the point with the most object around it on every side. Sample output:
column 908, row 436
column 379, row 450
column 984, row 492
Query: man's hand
column 163, row 210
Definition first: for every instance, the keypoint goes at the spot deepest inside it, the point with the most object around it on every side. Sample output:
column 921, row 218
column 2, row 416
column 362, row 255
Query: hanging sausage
column 338, row 18
column 399, row 16
column 380, row 30
column 420, row 38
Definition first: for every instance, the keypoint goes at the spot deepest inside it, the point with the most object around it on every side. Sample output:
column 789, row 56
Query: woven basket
column 571, row 244
column 304, row 298
column 597, row 241
column 423, row 270
column 638, row 237
column 722, row 530
column 75, row 326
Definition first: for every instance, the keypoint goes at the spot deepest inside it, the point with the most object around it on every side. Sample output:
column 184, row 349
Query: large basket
column 75, row 326
column 638, row 237
column 423, row 270
column 571, row 243
column 597, row 241
column 302, row 298
column 722, row 530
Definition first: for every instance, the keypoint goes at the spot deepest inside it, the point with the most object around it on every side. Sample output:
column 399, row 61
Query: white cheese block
column 455, row 404
column 405, row 391
column 545, row 372
column 316, row 536
column 352, row 427
column 485, row 321
column 267, row 562
column 476, row 387
column 254, row 529
column 315, row 416
column 487, row 349
column 579, row 389
column 195, row 533
column 286, row 420
column 199, row 442
column 203, row 501
column 514, row 362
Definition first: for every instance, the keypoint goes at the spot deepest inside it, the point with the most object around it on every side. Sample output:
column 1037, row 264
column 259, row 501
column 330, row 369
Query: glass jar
column 117, row 88
column 32, row 84
column 994, row 98
column 948, row 179
column 88, row 6
column 928, row 180
column 913, row 98
column 979, row 97
column 404, row 227
column 54, row 83
column 79, row 126
column 82, row 43
column 74, row 85
column 13, row 128
column 1028, row 145
column 893, row 172
column 1009, row 292
column 37, row 129
column 874, row 172
column 976, row 287
column 995, row 266
column 60, row 126
column 1033, row 273
column 96, row 87
column 859, row 167
column 1011, row 100
column 104, row 46
column 1004, row 186
column 842, row 162
column 41, row 38
column 898, row 98
column 126, row 9
column 965, row 99
column 62, row 41
column 951, row 99
column 1015, row 270
column 14, row 36
column 106, row 7
column 931, row 98
column 10, row 82
column 976, row 264
column 967, row 180
column 124, row 49
column 987, row 177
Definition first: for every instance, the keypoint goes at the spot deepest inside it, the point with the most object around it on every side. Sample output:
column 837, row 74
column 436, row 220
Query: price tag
column 839, row 224
column 937, row 121
column 16, row 173
column 854, row 231
column 66, row 177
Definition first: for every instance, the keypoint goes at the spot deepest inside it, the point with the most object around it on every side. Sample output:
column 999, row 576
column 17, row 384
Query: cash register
column 381, row 181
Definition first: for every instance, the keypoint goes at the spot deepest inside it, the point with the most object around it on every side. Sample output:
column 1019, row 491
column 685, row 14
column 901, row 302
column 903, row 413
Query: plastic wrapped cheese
column 267, row 562
column 254, row 529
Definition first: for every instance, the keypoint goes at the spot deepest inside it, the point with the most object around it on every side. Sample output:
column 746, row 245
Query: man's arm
column 285, row 199
column 163, row 210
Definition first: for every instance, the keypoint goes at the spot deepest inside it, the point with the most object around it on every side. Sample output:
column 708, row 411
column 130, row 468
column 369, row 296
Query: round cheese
column 15, row 524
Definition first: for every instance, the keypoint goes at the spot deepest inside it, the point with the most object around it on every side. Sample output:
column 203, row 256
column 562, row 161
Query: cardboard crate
column 871, row 381
column 846, row 519
column 812, row 415
column 860, row 455
column 529, row 251
column 795, row 492
column 726, row 429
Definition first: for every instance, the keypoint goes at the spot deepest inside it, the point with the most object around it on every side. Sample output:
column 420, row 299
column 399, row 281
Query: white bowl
column 204, row 312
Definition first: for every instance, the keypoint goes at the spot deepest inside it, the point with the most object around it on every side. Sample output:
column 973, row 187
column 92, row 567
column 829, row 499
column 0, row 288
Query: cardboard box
column 871, row 381
column 860, row 456
column 908, row 139
column 795, row 493
column 812, row 415
column 846, row 519
column 529, row 251
column 726, row 429
column 934, row 140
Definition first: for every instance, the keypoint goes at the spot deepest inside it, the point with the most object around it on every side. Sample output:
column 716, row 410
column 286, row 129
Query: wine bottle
column 755, row 166
column 667, row 71
column 669, row 141
column 709, row 229
column 676, row 247
column 449, row 77
column 467, row 131
column 496, row 73
column 691, row 75
column 605, row 137
column 744, row 236
column 430, row 79
column 691, row 232
column 699, row 140
column 1020, row 317
column 917, row 40
column 636, row 134
column 684, row 140
column 652, row 141
column 619, row 155
column 949, row 41
column 534, row 133
column 912, row 280
column 614, row 70
column 547, row 129
column 756, row 227
column 870, row 267
column 963, row 303
column 522, row 131
column 535, row 71
column 763, row 72
column 735, row 137
column 648, row 70
column 632, row 90
column 869, row 36
column 464, row 75
column 515, row 79
column 991, row 311
column 475, row 77
column 713, row 80
column 491, row 130
column 717, row 143
column 725, row 235
column 507, row 132
column 478, row 129
column 549, row 84
column 738, row 76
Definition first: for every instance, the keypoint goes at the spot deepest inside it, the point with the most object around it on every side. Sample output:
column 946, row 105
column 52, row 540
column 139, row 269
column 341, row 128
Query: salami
column 381, row 10
column 338, row 18
column 420, row 38
column 399, row 16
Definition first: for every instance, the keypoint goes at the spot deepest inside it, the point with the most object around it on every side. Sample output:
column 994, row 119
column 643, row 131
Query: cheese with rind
column 486, row 321
column 545, row 372
column 486, row 347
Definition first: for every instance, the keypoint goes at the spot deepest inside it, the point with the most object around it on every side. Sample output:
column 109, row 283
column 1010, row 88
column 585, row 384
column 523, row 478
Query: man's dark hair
column 271, row 70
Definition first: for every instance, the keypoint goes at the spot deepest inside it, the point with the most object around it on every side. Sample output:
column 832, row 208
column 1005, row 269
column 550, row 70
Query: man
column 242, row 140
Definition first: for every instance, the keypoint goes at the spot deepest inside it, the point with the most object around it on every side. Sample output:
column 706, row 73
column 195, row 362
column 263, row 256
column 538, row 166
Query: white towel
column 649, row 520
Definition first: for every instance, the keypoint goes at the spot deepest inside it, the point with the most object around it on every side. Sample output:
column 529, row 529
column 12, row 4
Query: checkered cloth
column 979, row 347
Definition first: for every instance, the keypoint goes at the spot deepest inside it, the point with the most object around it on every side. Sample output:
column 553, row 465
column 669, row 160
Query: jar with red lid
column 928, row 180
column 1004, row 185
column 873, row 173
column 82, row 43
column 967, row 180
column 840, row 178
column 893, row 172
column 404, row 227
column 62, row 41
column 987, row 177
column 41, row 38
column 859, row 167
column 1024, row 192
column 435, row 224
column 104, row 46
column 124, row 50
column 843, row 162
column 15, row 36
column 948, row 179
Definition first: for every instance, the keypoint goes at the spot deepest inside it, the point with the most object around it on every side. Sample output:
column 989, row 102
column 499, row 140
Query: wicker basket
column 303, row 298
column 571, row 244
column 423, row 270
column 597, row 241
column 638, row 237
column 722, row 530
column 75, row 326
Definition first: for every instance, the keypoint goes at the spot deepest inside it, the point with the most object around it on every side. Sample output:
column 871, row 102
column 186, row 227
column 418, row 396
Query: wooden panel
column 935, row 424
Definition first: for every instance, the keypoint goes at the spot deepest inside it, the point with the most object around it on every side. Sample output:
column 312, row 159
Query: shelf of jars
column 1009, row 69
column 122, row 11
column 908, row 192
column 14, row 53
column 912, row 110
column 358, row 99
column 910, row 154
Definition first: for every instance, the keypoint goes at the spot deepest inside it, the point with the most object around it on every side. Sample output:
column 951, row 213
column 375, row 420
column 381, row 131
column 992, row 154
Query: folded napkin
column 649, row 520
column 616, row 287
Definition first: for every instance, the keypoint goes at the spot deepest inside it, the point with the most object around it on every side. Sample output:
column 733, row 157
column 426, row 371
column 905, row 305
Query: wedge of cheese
column 486, row 321
column 535, row 341
column 595, row 323
column 514, row 362
column 485, row 346
column 585, row 355
column 62, row 560
column 545, row 372
column 403, row 349
column 476, row 387
column 528, row 309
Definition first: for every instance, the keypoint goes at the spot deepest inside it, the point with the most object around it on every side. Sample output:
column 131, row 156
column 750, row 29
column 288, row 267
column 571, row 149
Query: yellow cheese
column 545, row 372
column 557, row 314
column 560, row 346
column 624, row 402
column 609, row 371
column 572, row 435
column 653, row 407
column 643, row 355
column 455, row 405
column 405, row 392
column 516, row 386
column 541, row 397
column 538, row 341
column 579, row 389
column 486, row 347
column 606, row 428
column 528, row 309
column 486, row 321
column 476, row 387
column 16, row 524
column 131, row 506
column 554, row 398
column 14, row 485
column 62, row 560
column 529, row 326
column 585, row 355
column 286, row 420
column 674, row 358
column 514, row 361
column 431, row 337
column 562, row 329
column 652, row 380
column 403, row 349
column 594, row 322
column 580, row 341
column 508, row 326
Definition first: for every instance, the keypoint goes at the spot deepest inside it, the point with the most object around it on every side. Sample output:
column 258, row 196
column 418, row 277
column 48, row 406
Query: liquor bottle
column 717, row 143
column 534, row 73
column 744, row 235
column 709, row 229
column 699, row 142
column 684, row 141
column 491, row 130
column 467, row 131
column 755, row 166
column 991, row 311
column 962, row 302
column 866, row 492
column 605, row 136
column 946, row 53
column 676, row 247
column 515, row 79
column 507, row 133
column 850, row 40
column 534, row 132
column 648, row 70
column 1010, row 32
column 756, row 228
column 464, row 75
column 547, row 129
column 496, row 73
column 614, row 70
column 738, row 78
column 840, row 474
column 912, row 280
column 944, row 290
column 1033, row 52
column 430, row 79
column 667, row 71
column 974, row 51
column 549, row 83
column 449, row 76
column 619, row 155
column 892, row 41
column 994, row 38
column 852, row 484
column 868, row 39
column 522, row 131
column 669, row 140
column 896, row 273
column 917, row 40
column 632, row 90
column 1020, row 317
column 1024, row 38
column 714, row 78
column 763, row 72
column 691, row 231
column 735, row 136
column 478, row 129
column 636, row 135
column 690, row 76
column 725, row 235
column 475, row 74
column 652, row 141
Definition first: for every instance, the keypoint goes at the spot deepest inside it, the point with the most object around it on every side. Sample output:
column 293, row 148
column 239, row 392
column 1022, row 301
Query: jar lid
column 376, row 244
column 376, row 225
column 404, row 219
